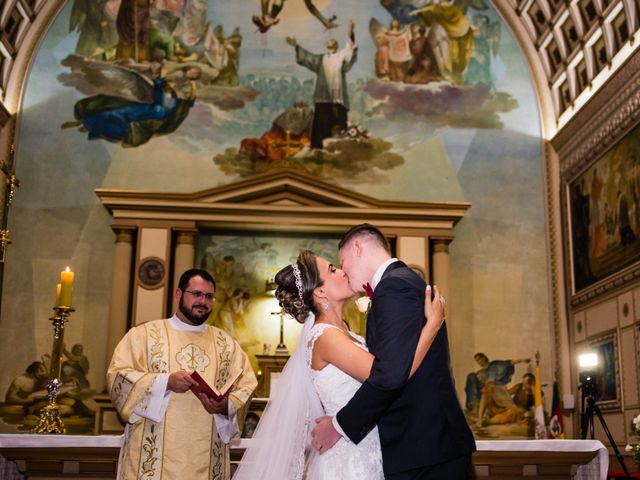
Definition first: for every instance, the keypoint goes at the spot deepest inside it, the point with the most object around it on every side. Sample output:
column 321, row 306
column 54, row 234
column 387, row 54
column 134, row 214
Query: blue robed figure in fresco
column 499, row 372
column 133, row 123
column 142, row 108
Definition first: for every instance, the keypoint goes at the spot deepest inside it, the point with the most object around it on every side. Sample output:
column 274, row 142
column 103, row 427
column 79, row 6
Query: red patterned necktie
column 368, row 290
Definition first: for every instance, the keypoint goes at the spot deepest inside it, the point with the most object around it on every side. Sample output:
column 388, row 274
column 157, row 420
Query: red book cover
column 211, row 392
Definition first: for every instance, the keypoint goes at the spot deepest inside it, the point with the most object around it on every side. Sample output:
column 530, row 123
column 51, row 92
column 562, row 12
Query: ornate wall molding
column 17, row 17
column 601, row 122
column 605, row 120
column 554, row 258
column 617, row 282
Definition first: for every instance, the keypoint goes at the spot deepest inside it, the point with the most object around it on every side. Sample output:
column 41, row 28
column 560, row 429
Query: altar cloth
column 595, row 469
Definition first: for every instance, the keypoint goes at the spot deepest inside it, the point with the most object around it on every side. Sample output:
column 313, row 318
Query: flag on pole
column 556, row 427
column 541, row 429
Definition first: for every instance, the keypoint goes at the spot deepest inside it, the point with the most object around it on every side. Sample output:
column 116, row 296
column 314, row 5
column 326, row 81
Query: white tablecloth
column 32, row 440
column 595, row 470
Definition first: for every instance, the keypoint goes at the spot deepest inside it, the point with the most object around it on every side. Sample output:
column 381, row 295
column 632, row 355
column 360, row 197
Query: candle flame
column 67, row 269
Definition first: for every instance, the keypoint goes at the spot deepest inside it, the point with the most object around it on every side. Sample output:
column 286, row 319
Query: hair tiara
column 296, row 273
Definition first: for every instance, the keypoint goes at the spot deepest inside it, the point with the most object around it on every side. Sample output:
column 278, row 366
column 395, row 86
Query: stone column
column 441, row 264
column 120, row 288
column 440, row 248
column 413, row 252
column 184, row 256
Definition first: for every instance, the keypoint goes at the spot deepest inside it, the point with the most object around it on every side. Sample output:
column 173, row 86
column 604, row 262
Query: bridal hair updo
column 287, row 292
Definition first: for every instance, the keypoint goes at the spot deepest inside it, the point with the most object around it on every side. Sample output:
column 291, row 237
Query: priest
column 172, row 432
column 331, row 96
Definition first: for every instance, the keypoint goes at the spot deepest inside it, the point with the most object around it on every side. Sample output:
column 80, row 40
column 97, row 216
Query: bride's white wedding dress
column 345, row 460
column 280, row 448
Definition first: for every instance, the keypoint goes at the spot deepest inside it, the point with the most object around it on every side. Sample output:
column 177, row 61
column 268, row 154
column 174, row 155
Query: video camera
column 588, row 384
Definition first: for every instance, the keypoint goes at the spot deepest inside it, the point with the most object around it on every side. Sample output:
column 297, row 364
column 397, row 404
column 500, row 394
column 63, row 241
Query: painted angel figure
column 95, row 22
column 192, row 26
column 451, row 15
column 223, row 53
column 133, row 107
column 270, row 9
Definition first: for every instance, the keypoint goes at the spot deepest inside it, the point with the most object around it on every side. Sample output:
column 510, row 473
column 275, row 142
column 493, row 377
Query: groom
column 423, row 432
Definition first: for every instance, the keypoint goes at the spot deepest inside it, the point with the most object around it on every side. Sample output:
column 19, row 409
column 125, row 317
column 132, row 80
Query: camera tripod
column 587, row 426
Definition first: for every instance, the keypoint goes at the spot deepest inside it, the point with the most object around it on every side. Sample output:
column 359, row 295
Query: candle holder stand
column 50, row 421
column 281, row 349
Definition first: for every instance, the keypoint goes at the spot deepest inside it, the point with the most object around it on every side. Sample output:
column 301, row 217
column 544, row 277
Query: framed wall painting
column 604, row 213
column 244, row 265
column 607, row 372
column 152, row 272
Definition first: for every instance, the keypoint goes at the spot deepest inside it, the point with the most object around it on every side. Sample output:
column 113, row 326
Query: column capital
column 185, row 236
column 441, row 244
column 123, row 234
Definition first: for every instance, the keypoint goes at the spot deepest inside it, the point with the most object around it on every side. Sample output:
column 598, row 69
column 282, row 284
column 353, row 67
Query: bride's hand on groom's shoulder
column 324, row 435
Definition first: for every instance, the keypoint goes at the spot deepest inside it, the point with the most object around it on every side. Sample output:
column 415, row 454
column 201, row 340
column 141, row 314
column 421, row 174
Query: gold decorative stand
column 11, row 184
column 281, row 349
column 50, row 421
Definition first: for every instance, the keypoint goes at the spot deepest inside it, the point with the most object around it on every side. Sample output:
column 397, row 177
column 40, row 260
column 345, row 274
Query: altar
column 84, row 456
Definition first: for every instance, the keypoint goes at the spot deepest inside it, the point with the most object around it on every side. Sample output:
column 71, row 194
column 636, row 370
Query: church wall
column 467, row 141
column 615, row 315
column 598, row 165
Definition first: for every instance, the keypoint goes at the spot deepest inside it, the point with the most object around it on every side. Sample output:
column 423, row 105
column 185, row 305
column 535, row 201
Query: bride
column 321, row 376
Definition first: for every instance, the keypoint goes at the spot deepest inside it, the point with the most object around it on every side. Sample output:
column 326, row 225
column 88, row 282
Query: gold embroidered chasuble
column 176, row 438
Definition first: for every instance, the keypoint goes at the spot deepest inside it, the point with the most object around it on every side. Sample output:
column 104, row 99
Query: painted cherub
column 272, row 8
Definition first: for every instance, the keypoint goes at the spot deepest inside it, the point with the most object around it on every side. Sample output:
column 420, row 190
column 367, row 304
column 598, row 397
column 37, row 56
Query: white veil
column 280, row 448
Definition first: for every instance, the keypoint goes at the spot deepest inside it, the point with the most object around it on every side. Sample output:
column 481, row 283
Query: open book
column 212, row 392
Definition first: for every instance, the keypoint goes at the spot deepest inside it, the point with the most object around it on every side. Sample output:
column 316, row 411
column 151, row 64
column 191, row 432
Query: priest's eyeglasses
column 200, row 295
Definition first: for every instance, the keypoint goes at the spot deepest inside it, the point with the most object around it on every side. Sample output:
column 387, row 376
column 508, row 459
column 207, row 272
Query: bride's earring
column 326, row 306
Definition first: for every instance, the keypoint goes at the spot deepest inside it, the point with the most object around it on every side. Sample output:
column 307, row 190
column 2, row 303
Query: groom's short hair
column 365, row 230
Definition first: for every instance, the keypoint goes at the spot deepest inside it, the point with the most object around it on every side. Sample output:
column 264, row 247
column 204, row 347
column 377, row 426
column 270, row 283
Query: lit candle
column 66, row 291
column 58, row 291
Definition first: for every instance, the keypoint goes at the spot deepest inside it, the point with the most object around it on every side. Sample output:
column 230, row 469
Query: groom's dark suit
column 419, row 420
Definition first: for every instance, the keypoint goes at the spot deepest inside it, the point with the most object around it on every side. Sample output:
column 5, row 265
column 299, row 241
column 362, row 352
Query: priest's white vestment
column 170, row 435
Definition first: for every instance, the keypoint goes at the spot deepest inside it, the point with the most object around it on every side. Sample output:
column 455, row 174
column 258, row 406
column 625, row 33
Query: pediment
column 284, row 187
column 283, row 198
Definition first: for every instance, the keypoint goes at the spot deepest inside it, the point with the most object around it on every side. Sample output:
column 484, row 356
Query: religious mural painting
column 149, row 63
column 499, row 398
column 26, row 395
column 185, row 95
column 605, row 213
column 607, row 372
column 244, row 267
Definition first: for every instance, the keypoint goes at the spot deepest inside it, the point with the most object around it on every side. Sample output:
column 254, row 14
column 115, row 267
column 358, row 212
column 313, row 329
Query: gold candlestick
column 50, row 421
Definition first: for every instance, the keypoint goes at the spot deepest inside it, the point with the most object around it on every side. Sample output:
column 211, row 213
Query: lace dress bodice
column 346, row 460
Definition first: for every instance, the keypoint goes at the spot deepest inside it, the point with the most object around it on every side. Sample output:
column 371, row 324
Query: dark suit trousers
column 458, row 469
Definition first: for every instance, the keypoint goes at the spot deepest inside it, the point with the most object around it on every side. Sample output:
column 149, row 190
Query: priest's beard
column 192, row 316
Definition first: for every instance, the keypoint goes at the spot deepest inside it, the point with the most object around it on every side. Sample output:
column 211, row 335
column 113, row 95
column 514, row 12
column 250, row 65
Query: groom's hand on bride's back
column 324, row 435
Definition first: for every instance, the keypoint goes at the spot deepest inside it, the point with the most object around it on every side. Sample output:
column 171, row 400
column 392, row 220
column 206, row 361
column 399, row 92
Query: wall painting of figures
column 244, row 268
column 605, row 213
column 396, row 99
